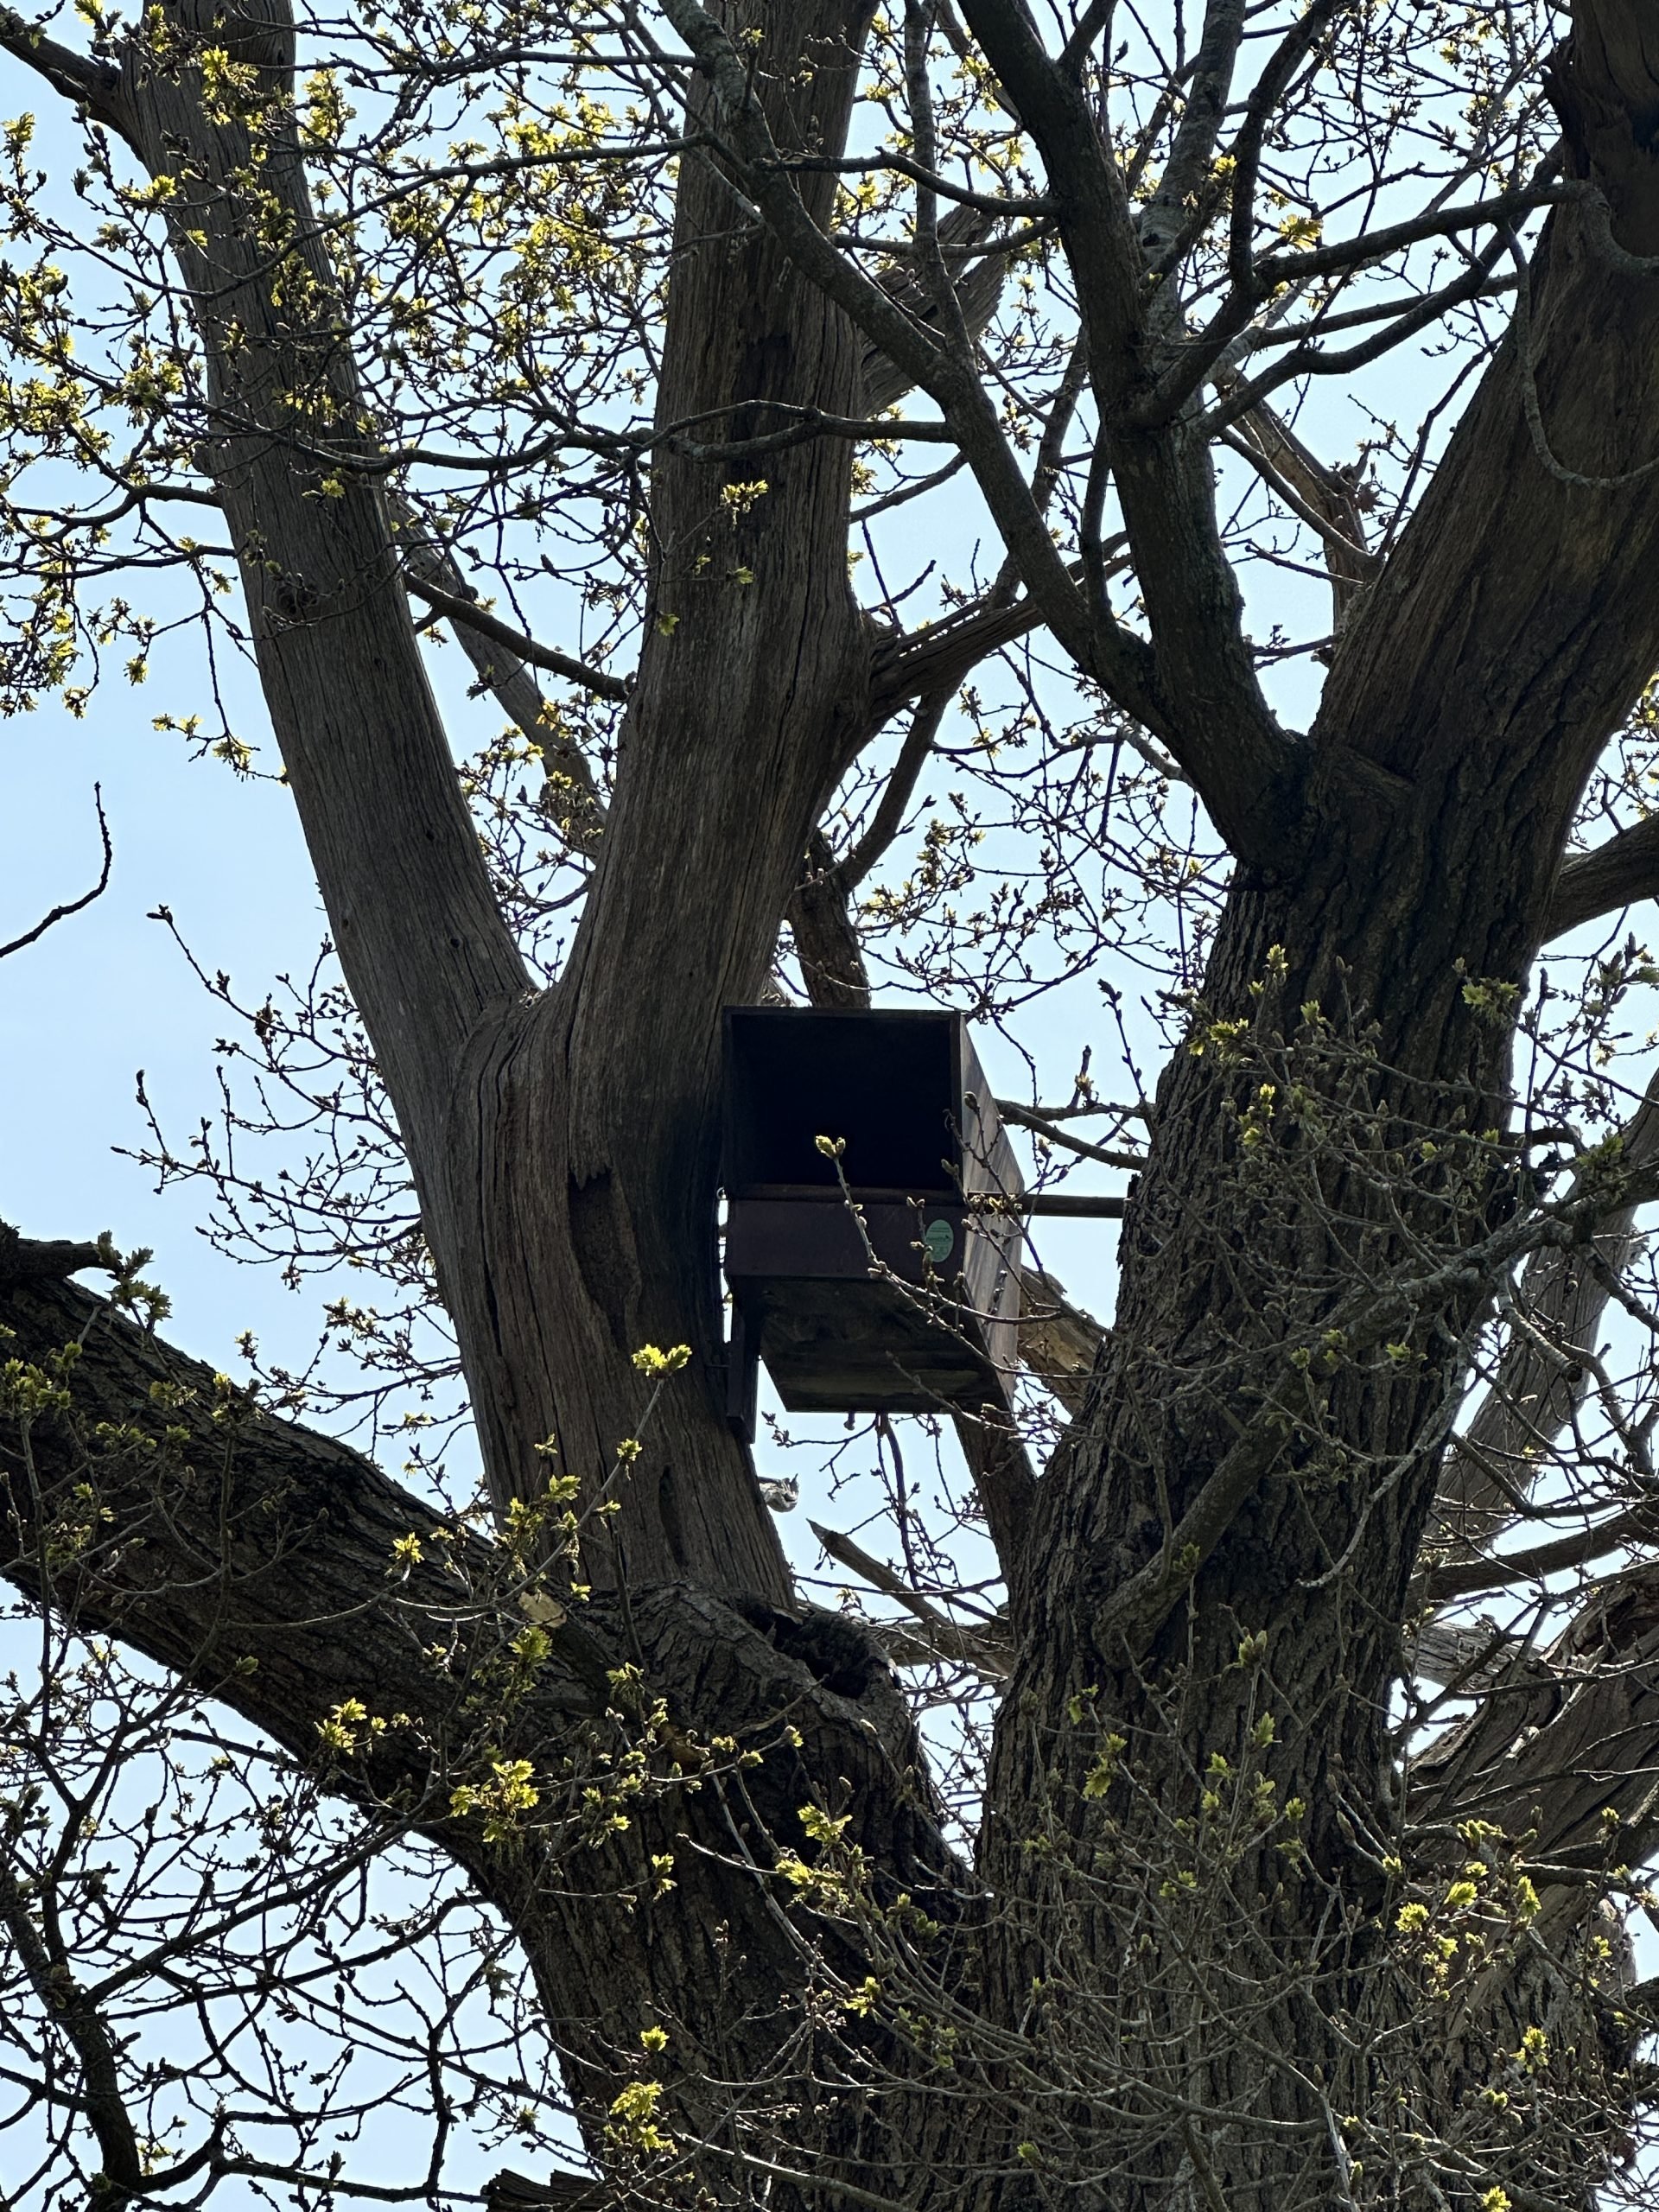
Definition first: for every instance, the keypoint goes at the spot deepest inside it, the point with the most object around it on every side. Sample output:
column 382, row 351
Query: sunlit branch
column 94, row 85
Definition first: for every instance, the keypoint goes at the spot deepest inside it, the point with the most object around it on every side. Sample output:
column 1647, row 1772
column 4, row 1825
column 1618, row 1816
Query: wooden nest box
column 893, row 1285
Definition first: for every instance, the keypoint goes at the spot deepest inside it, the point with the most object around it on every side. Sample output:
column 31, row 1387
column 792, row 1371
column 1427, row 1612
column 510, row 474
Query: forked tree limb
column 1200, row 694
column 1194, row 685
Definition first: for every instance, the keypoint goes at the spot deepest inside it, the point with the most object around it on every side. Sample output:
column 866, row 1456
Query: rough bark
column 1474, row 686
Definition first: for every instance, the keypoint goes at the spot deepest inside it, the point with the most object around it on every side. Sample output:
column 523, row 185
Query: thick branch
column 978, row 289
column 1540, row 1377
column 1638, row 1525
column 1324, row 497
column 262, row 1563
column 826, row 936
column 1196, row 688
column 1566, row 1738
column 1059, row 1341
column 424, row 946
column 92, row 85
column 84, row 2028
column 26, row 1259
column 1517, row 608
column 1618, row 874
column 938, row 657
column 440, row 584
column 1028, row 1118
column 946, row 1638
column 1187, row 173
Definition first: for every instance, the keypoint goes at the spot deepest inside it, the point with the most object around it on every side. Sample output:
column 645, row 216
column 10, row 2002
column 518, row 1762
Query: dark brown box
column 899, row 1293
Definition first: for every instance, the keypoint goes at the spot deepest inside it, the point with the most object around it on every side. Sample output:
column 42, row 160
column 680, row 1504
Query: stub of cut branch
column 25, row 1259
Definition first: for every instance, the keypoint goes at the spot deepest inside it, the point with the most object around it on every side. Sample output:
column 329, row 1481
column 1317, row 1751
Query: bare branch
column 1639, row 1525
column 888, row 818
column 1187, row 173
column 1196, row 687
column 465, row 613
column 968, row 1647
column 1031, row 1117
column 1618, row 874
column 1542, row 1378
column 84, row 2028
column 1321, row 496
column 74, row 906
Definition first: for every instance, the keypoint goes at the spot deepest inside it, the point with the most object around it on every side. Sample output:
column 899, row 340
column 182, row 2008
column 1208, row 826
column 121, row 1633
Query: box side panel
column 988, row 1164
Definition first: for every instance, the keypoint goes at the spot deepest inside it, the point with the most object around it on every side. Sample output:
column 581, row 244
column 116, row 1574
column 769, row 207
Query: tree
column 1237, row 1925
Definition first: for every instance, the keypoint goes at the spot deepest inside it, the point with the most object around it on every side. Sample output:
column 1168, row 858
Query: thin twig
column 74, row 906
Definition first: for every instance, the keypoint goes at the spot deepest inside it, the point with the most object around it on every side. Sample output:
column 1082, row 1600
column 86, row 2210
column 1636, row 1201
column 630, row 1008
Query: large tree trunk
column 564, row 1146
column 1380, row 973
column 583, row 1150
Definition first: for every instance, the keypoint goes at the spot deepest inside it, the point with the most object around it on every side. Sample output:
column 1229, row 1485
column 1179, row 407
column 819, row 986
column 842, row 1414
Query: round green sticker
column 937, row 1240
